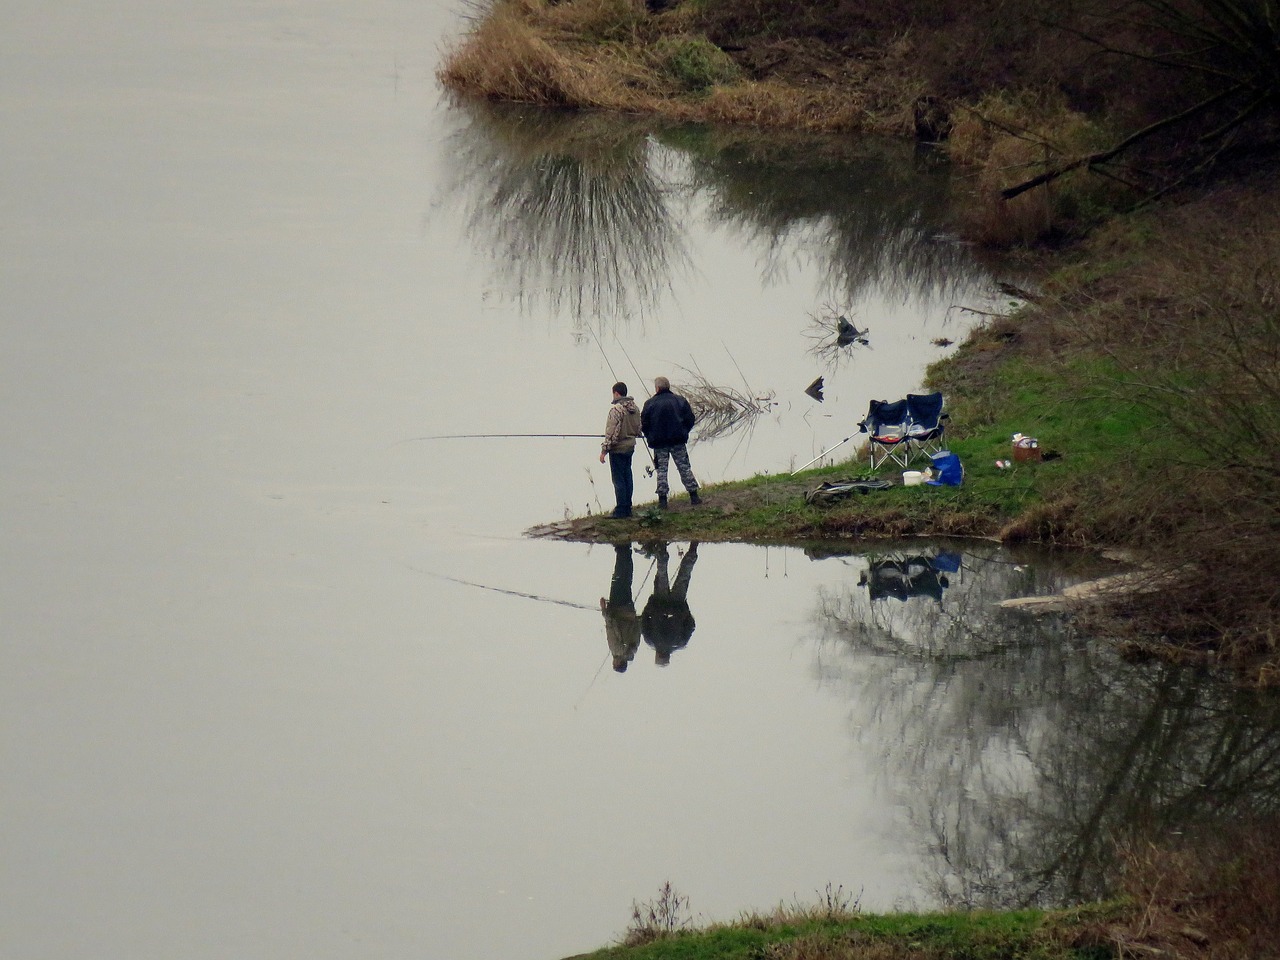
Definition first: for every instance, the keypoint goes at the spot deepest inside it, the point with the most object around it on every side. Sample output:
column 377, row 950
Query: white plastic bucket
column 912, row 478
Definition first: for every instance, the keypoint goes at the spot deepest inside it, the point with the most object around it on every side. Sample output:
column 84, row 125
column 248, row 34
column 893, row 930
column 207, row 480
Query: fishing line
column 592, row 331
column 593, row 681
column 643, row 383
column 652, row 563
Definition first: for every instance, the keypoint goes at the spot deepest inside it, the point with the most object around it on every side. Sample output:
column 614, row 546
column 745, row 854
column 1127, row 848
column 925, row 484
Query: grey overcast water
column 279, row 679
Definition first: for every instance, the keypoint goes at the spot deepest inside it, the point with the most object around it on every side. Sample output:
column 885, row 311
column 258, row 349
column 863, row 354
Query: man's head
column 661, row 384
column 619, row 389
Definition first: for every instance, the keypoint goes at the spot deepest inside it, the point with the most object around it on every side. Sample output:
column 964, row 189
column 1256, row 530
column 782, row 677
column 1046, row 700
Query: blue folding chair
column 886, row 423
column 926, row 423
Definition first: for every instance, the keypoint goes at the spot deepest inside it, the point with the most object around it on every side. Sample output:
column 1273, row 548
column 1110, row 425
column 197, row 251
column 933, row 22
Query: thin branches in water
column 834, row 335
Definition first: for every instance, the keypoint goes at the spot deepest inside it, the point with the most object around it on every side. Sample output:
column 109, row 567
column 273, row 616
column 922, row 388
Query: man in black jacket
column 666, row 421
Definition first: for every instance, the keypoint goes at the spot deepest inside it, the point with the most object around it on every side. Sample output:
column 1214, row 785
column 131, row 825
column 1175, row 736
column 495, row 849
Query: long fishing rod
column 491, row 436
column 510, row 593
column 824, row 453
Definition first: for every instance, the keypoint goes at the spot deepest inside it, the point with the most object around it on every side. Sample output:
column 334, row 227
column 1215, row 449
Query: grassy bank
column 818, row 934
column 1205, row 897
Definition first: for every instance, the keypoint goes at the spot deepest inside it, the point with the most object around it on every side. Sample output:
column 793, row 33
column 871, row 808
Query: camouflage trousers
column 680, row 454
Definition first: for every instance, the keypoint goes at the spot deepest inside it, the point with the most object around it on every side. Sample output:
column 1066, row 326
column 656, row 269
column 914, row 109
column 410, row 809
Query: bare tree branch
column 1103, row 156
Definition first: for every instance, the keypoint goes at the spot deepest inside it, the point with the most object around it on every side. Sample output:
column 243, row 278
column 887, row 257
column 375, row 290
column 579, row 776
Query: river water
column 281, row 679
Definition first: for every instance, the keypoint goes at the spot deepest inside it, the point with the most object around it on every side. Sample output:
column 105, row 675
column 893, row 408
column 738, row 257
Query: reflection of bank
column 667, row 623
column 901, row 578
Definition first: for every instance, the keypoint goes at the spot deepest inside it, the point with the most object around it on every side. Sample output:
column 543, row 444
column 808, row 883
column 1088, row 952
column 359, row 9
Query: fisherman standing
column 621, row 427
column 667, row 419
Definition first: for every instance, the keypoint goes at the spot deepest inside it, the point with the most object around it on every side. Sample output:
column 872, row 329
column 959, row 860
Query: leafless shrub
column 658, row 918
column 1205, row 898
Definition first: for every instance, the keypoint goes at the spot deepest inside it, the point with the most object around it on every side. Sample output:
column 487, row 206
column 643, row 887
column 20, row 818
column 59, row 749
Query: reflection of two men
column 666, row 624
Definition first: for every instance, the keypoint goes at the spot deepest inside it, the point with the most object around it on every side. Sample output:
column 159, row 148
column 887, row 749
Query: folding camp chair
column 925, row 423
column 887, row 425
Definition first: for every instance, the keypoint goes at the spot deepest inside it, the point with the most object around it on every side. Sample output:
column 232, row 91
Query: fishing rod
column 824, row 453
column 491, row 436
column 652, row 464
column 503, row 590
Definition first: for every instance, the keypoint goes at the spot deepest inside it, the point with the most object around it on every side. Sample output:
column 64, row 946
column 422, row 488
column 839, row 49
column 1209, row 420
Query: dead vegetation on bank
column 1206, row 897
column 1066, row 111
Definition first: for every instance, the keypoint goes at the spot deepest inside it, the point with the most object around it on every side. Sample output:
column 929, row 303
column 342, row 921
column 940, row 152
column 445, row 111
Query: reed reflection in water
column 590, row 212
column 1023, row 752
column 569, row 205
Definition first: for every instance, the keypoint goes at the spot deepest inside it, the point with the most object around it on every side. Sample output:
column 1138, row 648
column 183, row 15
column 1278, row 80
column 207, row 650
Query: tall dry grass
column 569, row 54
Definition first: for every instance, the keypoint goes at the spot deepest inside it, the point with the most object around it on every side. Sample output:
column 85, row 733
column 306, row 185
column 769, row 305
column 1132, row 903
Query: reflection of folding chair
column 905, row 577
column 925, row 425
column 887, row 425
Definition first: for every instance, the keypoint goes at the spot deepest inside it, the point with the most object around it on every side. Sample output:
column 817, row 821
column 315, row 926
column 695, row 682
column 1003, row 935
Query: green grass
column 694, row 64
column 978, row 935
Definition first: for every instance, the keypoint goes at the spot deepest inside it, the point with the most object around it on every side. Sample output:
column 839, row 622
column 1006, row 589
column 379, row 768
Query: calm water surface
column 281, row 680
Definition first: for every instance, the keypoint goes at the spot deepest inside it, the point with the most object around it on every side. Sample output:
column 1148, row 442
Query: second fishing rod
column 652, row 468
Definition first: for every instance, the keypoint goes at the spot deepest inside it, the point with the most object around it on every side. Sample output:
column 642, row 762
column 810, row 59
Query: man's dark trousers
column 623, row 482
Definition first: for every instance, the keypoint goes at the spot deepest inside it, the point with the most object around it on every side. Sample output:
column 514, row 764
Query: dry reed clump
column 591, row 21
column 570, row 54
column 721, row 411
column 507, row 60
column 610, row 54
